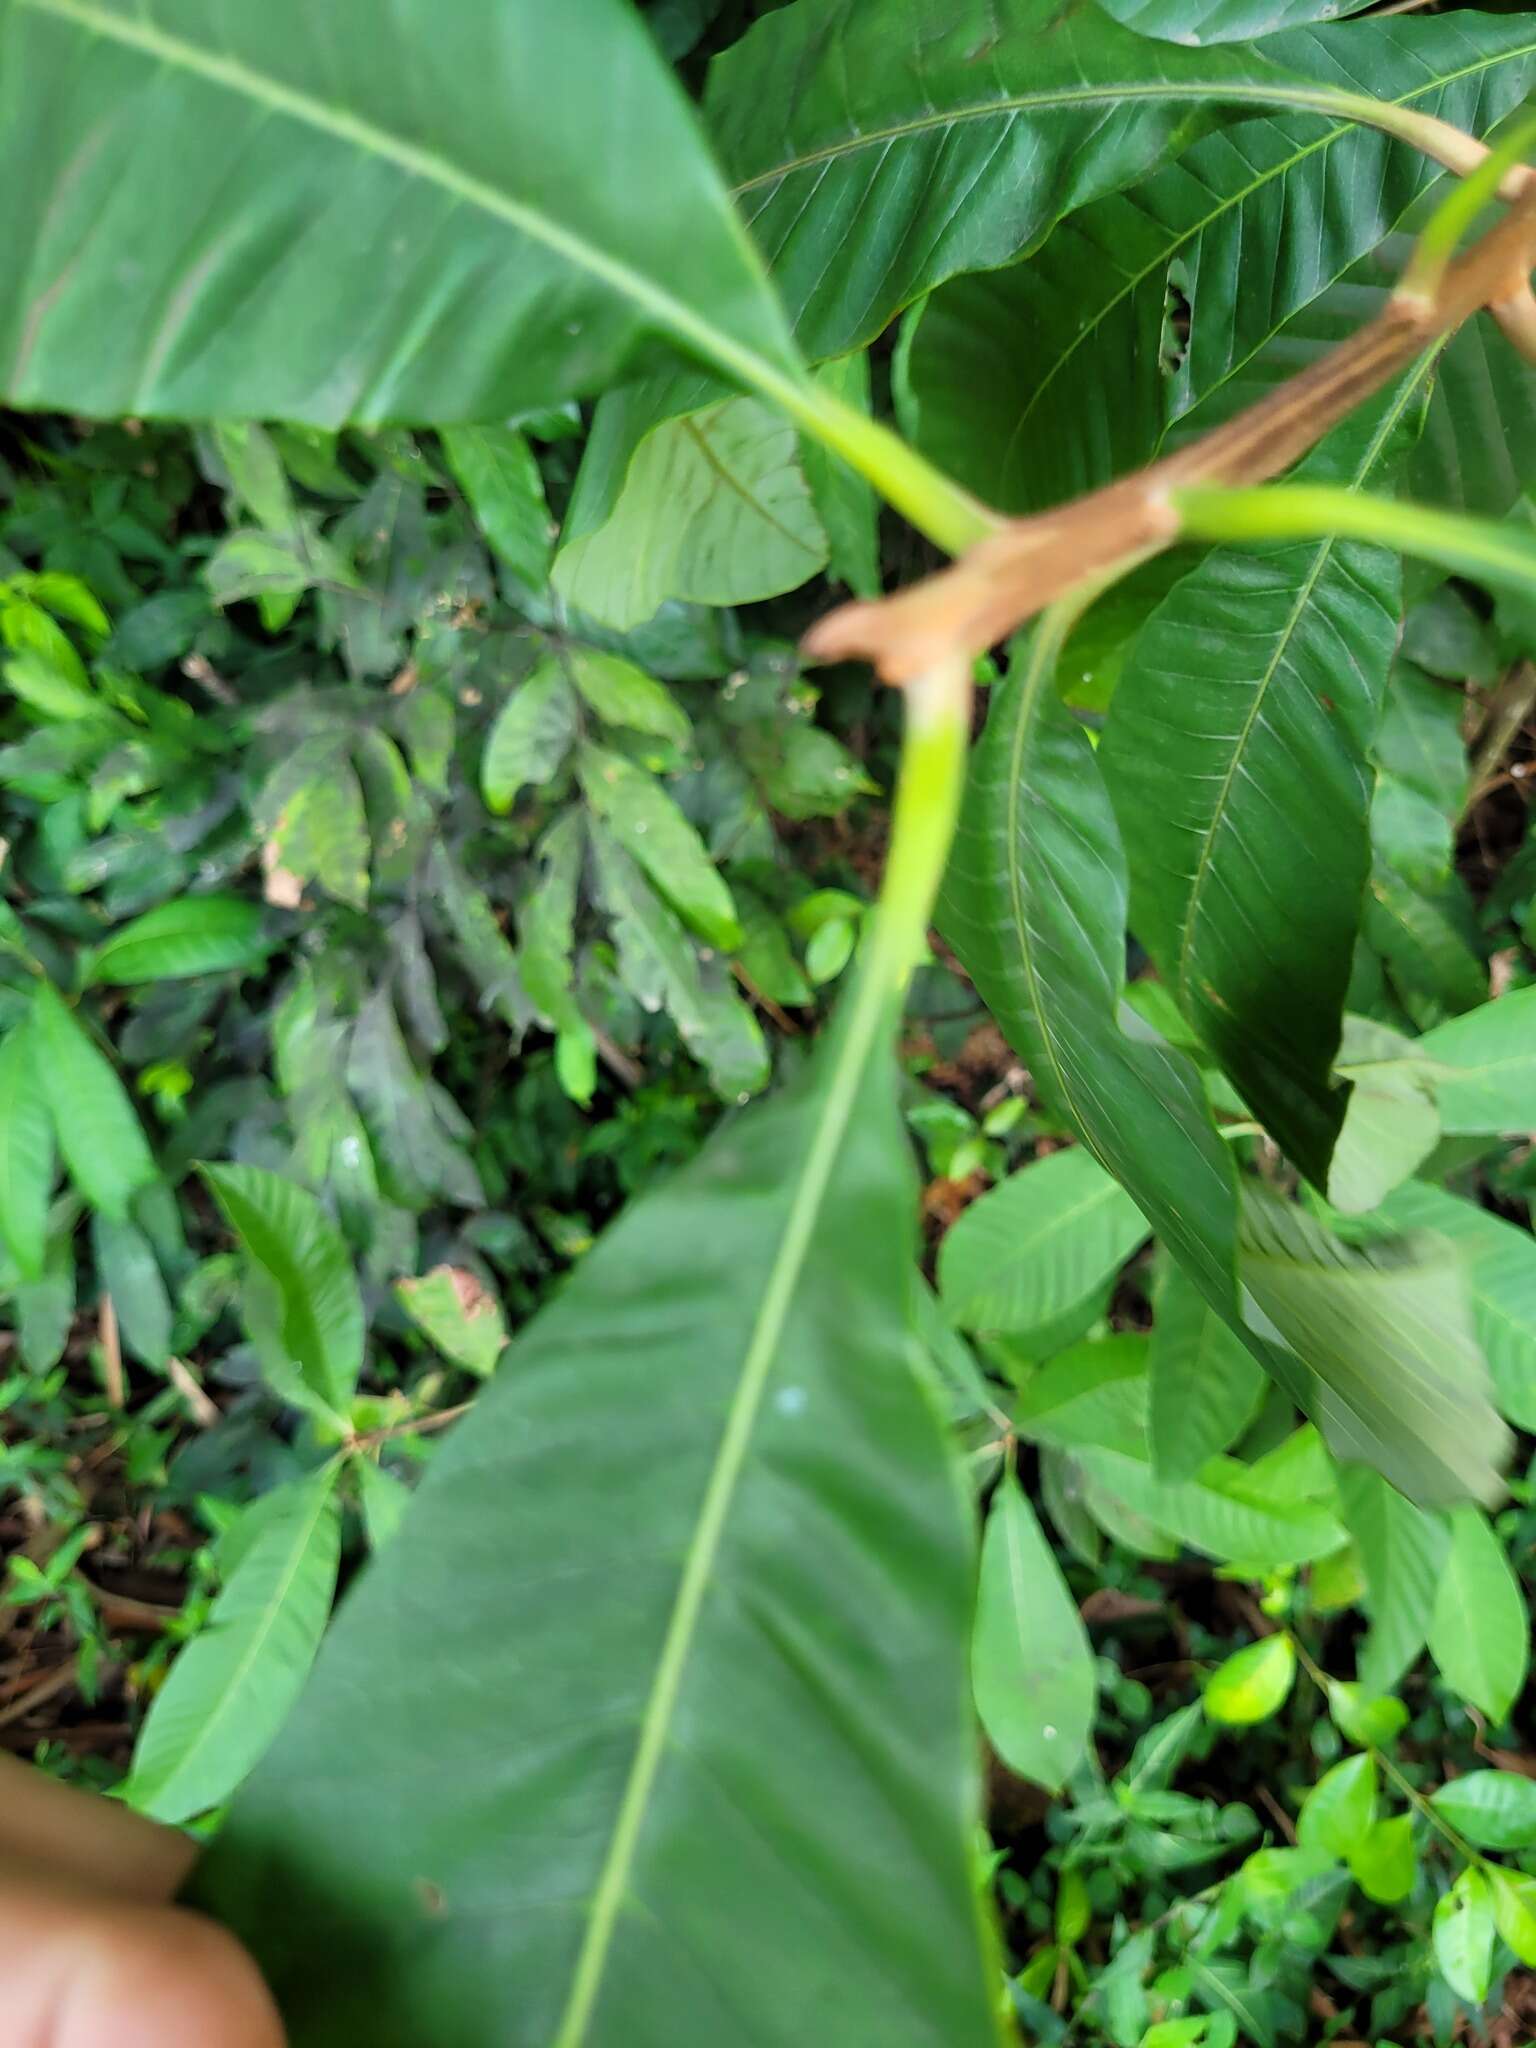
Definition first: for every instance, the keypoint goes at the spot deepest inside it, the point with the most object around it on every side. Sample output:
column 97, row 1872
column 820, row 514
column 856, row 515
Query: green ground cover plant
column 698, row 1350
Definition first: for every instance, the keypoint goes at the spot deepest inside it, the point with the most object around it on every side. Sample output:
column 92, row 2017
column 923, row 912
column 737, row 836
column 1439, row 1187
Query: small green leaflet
column 1340, row 1810
column 1253, row 1683
column 131, row 1277
column 1204, row 1382
column 1383, row 1863
column 1031, row 1661
column 621, row 694
column 454, row 1312
column 1479, row 1631
column 194, row 935
column 1402, row 1551
column 534, row 731
column 1490, row 1058
column 233, row 1686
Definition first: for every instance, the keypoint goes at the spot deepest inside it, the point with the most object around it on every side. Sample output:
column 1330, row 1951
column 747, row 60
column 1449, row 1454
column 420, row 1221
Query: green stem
column 1502, row 555
column 1449, row 224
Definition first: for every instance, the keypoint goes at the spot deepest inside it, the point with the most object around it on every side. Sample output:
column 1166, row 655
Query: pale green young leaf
column 293, row 1244
column 714, row 508
column 191, row 935
column 1204, row 1384
column 26, row 1153
column 384, row 1500
column 97, row 1128
column 1479, row 1632
column 1253, row 1684
column 232, row 1688
column 499, row 475
column 622, row 694
column 1402, row 1551
column 1462, row 1934
column 1031, row 1662
column 455, row 1313
column 1030, row 1249
column 1222, row 1511
column 534, row 731
column 1383, row 1861
column 491, row 246
column 1514, row 1910
column 1340, row 1810
column 1090, row 1396
column 654, row 832
column 1372, row 1720
column 1491, row 1809
column 1490, row 1058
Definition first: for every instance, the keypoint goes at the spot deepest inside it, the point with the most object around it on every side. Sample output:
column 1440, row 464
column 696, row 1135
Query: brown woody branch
column 1014, row 573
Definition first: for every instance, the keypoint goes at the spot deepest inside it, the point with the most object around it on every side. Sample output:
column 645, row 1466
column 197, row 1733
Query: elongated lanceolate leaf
column 1238, row 757
column 1049, row 377
column 94, row 1121
column 876, row 153
column 232, row 1688
column 26, row 1154
column 195, row 935
column 715, row 1519
column 1402, row 1552
column 1480, row 1631
column 1203, row 1382
column 498, row 473
column 1489, row 1058
column 459, row 228
column 1031, row 1661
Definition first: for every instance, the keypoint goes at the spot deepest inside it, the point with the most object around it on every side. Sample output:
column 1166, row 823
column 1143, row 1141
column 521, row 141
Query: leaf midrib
column 237, row 77
column 699, row 1561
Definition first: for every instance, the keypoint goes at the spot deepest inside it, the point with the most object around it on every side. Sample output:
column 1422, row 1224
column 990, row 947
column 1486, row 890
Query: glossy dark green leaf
column 26, row 1153
column 318, row 1311
column 749, row 1683
column 534, row 731
column 1479, row 1631
column 873, row 156
column 96, row 1125
column 1490, row 1809
column 714, row 508
column 1237, row 755
column 1403, row 1553
column 491, row 241
column 1490, row 1055
column 1031, row 1661
column 233, row 1686
column 499, row 475
column 1049, row 377
column 654, row 832
column 1029, row 1250
column 1204, row 1384
column 194, row 935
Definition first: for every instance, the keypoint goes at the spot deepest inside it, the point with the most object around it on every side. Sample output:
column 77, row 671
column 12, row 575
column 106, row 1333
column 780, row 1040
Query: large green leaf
column 1492, row 1809
column 98, row 1131
column 1490, row 1055
column 1221, row 1511
column 1203, row 1382
column 1031, row 1661
column 1047, row 378
column 458, row 228
column 726, row 1675
column 1029, row 1251
column 1402, row 1552
column 875, row 155
column 234, row 1685
column 317, row 1310
column 714, row 508
column 1387, row 1328
column 26, row 1154
column 498, row 473
column 1480, row 1632
column 1238, row 758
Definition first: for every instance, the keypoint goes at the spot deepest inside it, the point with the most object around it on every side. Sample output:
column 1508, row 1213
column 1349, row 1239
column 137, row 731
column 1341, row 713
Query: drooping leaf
column 1222, row 1511
column 1403, row 1552
column 1104, row 378
column 1027, row 1252
column 1203, row 1382
column 1479, row 1631
column 131, row 1277
column 1339, row 1811
column 1391, row 1125
column 97, row 1129
column 1462, row 1932
column 1490, row 1055
column 1253, row 1683
column 26, row 1153
column 1491, row 1809
column 479, row 940
column 232, row 1688
column 872, row 165
column 314, row 825
column 1031, row 1661
column 1387, row 1328
column 713, row 508
column 533, row 733
column 499, row 474
column 1237, row 754
column 654, row 832
column 418, row 1133
column 301, row 1255
column 455, row 1312
column 763, row 1653
column 622, row 694
column 194, row 935
column 548, row 921
column 491, row 242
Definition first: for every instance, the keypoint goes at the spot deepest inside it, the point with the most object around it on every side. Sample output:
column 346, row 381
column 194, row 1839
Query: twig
column 1029, row 563
column 1506, row 717
column 418, row 1426
column 617, row 1062
column 57, row 1681
column 113, row 1377
column 766, row 1003
column 203, row 1410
